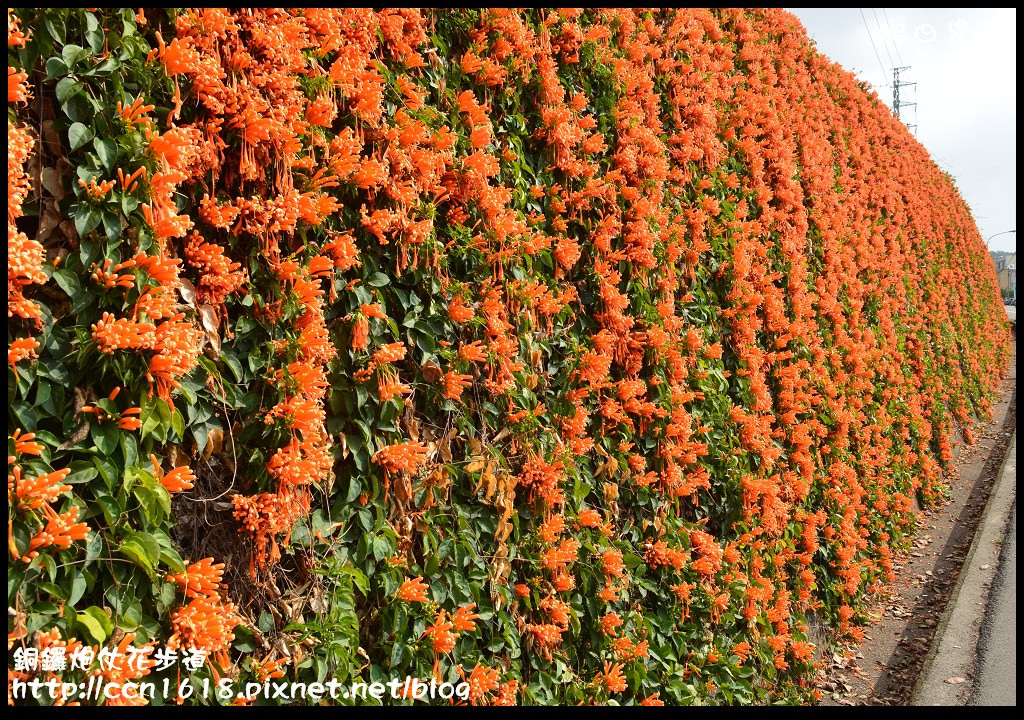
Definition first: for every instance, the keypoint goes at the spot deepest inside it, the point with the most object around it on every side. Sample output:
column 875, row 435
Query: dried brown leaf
column 208, row 318
column 214, row 443
column 50, row 181
column 431, row 372
column 187, row 291
column 489, row 479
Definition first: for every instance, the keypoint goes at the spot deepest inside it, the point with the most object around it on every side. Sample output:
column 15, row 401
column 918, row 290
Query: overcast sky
column 964, row 64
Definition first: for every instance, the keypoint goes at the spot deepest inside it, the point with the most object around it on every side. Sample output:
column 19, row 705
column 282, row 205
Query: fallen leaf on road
column 954, row 680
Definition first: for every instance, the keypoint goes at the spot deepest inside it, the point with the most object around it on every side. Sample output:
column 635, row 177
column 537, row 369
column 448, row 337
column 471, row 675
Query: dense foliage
column 590, row 355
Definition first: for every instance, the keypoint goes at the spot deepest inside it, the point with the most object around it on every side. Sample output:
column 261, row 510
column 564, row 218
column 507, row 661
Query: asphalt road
column 996, row 683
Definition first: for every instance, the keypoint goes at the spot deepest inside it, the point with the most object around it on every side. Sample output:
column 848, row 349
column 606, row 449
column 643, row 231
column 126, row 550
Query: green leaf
column 55, row 26
column 149, row 504
column 397, row 653
column 111, row 225
column 106, row 150
column 79, row 135
column 378, row 279
column 78, row 586
column 93, row 547
column 72, row 54
column 86, row 220
column 150, row 419
column 156, row 420
column 150, row 543
column 381, row 548
column 92, row 626
column 243, row 640
column 107, row 469
column 104, row 68
column 93, row 33
column 104, row 435
column 55, row 68
column 233, row 365
column 100, row 622
column 82, row 301
column 68, row 282
column 178, row 423
column 67, row 88
column 81, row 472
column 171, row 558
column 137, row 554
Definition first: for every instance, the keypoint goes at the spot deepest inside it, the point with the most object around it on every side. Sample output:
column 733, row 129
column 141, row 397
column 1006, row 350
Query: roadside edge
column 953, row 653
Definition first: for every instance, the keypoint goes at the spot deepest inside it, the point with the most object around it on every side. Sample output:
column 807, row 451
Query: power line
column 872, row 39
column 884, row 43
column 894, row 43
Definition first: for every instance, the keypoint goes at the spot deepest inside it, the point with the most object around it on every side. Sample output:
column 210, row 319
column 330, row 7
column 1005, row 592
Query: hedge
column 590, row 356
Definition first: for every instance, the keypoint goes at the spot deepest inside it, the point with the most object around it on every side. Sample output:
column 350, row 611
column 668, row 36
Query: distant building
column 1006, row 270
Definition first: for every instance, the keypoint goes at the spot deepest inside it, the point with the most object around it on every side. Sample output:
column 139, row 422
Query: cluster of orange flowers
column 444, row 633
column 401, row 457
column 26, row 495
column 207, row 622
column 482, row 681
column 265, row 114
column 24, row 256
column 414, row 590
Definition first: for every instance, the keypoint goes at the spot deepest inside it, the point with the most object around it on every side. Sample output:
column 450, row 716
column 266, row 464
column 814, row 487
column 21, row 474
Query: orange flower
column 17, row 86
column 130, row 182
column 454, row 384
column 506, row 695
column 34, row 493
column 60, row 532
column 178, row 479
column 200, row 579
column 24, row 445
column 611, row 561
column 120, row 334
column 588, row 518
column 481, row 681
column 203, row 624
column 473, row 352
column 21, row 349
column 373, row 311
column 97, row 191
column 360, row 333
column 414, row 590
column 15, row 37
column 401, row 457
column 742, row 651
column 458, row 312
column 388, row 387
column 441, row 635
column 609, row 622
column 267, row 669
column 546, row 636
column 463, row 618
column 126, row 422
column 390, row 353
column 612, row 678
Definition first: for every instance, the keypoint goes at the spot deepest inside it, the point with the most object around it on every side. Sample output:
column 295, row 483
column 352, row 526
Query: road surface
column 996, row 683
